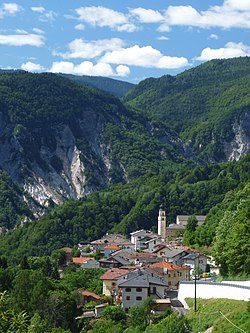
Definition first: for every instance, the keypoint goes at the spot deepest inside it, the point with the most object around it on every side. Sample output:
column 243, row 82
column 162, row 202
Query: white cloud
column 163, row 38
column 232, row 14
column 21, row 40
column 146, row 15
column 214, row 36
column 80, row 26
column 240, row 5
column 164, row 27
column 32, row 67
column 38, row 31
column 21, row 31
column 80, row 48
column 144, row 57
column 88, row 68
column 105, row 17
column 10, row 8
column 38, row 9
column 231, row 50
column 45, row 15
column 122, row 70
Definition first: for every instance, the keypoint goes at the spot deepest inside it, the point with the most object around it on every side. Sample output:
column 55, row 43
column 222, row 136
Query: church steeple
column 162, row 223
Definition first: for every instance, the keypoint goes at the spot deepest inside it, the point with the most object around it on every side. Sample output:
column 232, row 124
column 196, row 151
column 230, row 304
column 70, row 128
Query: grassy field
column 222, row 314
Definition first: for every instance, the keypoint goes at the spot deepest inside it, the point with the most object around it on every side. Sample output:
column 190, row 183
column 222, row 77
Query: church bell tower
column 162, row 224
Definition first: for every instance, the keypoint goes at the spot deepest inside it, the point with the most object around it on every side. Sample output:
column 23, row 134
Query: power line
column 232, row 323
column 219, row 312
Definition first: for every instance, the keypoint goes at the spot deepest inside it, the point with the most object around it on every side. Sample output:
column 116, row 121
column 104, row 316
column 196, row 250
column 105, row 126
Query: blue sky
column 127, row 40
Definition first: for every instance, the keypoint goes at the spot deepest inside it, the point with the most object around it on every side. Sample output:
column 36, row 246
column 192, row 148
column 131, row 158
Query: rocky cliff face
column 237, row 148
column 64, row 141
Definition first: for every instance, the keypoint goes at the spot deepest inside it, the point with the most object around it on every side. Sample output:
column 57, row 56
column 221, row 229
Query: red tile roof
column 77, row 260
column 169, row 265
column 114, row 273
column 89, row 293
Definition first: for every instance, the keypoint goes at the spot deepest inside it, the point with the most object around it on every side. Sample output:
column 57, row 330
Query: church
column 174, row 230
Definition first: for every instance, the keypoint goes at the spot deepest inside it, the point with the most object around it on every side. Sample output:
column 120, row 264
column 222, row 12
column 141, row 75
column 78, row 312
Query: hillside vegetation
column 206, row 105
column 212, row 313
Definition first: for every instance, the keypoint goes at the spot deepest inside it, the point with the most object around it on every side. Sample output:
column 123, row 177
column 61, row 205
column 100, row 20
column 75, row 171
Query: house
column 110, row 248
column 173, row 273
column 109, row 280
column 135, row 287
column 170, row 254
column 175, row 230
column 183, row 219
column 196, row 260
column 86, row 262
column 135, row 258
column 114, row 261
column 116, row 239
column 161, row 249
column 87, row 296
column 175, row 256
column 80, row 260
column 140, row 237
column 151, row 243
column 90, row 264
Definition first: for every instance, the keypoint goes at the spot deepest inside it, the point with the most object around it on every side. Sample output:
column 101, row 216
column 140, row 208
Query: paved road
column 178, row 306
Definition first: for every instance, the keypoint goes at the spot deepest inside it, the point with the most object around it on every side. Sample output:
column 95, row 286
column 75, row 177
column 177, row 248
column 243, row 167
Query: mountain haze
column 116, row 87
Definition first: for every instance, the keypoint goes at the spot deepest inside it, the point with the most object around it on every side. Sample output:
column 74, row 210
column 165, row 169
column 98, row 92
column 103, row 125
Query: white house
column 136, row 287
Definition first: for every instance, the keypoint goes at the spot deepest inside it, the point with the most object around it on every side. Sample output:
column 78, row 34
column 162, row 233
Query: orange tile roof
column 114, row 273
column 112, row 247
column 89, row 293
column 169, row 265
column 77, row 260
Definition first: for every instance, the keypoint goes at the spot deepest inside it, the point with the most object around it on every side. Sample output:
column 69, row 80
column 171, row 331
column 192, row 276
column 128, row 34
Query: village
column 146, row 265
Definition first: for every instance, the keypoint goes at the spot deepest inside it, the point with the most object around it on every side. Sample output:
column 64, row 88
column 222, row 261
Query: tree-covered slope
column 116, row 87
column 208, row 105
column 60, row 139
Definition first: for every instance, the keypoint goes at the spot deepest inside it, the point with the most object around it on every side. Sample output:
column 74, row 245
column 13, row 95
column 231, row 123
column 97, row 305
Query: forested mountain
column 116, row 87
column 209, row 106
column 61, row 140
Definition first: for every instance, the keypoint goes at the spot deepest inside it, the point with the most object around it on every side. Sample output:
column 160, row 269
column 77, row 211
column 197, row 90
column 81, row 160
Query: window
column 139, row 290
column 128, row 298
column 169, row 275
column 113, row 284
column 138, row 298
column 128, row 290
column 180, row 273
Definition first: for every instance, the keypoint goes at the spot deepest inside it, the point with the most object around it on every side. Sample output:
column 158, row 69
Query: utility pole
column 197, row 256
